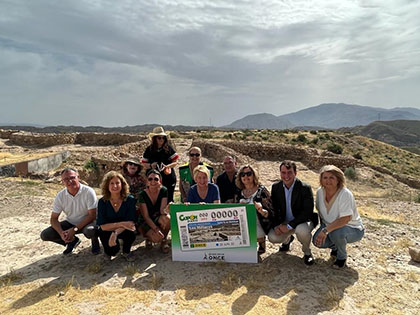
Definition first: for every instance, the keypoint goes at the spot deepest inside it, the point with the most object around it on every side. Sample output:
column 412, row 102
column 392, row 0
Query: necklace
column 249, row 191
column 115, row 203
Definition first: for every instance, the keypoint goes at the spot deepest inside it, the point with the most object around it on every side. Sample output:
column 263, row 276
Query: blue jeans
column 338, row 239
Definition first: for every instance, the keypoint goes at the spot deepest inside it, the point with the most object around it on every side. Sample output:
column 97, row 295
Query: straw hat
column 133, row 160
column 157, row 131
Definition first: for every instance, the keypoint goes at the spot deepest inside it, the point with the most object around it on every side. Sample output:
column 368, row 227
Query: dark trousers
column 169, row 181
column 51, row 235
column 128, row 238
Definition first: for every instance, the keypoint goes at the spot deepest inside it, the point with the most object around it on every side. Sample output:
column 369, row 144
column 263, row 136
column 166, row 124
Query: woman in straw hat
column 161, row 156
column 131, row 170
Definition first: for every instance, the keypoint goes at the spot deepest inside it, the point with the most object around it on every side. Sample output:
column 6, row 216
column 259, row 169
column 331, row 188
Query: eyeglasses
column 68, row 179
column 150, row 179
column 249, row 173
column 130, row 163
column 160, row 137
column 195, row 154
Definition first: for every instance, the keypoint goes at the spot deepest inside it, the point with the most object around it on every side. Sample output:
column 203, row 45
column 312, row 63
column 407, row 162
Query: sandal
column 164, row 247
column 149, row 244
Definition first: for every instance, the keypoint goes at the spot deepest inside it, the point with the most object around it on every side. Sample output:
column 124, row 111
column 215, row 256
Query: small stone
column 390, row 271
column 415, row 254
column 61, row 293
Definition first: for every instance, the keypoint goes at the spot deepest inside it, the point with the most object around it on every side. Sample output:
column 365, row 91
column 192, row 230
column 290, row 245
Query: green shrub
column 91, row 165
column 301, row 138
column 313, row 132
column 417, row 199
column 173, row 135
column 358, row 156
column 335, row 148
column 315, row 140
column 350, row 173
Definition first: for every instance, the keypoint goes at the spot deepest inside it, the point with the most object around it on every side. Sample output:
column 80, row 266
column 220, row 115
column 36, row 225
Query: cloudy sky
column 129, row 62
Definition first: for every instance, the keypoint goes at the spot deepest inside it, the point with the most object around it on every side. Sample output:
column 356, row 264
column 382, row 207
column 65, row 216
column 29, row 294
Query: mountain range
column 329, row 116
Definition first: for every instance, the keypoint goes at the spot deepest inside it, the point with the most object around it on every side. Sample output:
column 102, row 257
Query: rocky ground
column 380, row 277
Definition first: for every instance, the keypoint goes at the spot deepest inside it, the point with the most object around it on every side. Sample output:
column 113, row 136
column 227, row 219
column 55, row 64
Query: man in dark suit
column 226, row 180
column 293, row 204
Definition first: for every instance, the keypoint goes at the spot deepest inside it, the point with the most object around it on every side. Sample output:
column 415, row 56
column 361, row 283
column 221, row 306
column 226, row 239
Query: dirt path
column 36, row 278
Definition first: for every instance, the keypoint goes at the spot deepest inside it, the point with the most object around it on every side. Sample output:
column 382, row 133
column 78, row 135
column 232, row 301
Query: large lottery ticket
column 213, row 229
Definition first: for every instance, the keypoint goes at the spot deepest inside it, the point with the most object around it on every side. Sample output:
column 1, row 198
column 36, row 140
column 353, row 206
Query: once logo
column 214, row 256
column 189, row 218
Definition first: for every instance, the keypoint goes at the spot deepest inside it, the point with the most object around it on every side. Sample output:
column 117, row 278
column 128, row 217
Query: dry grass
column 384, row 218
column 10, row 278
column 36, row 299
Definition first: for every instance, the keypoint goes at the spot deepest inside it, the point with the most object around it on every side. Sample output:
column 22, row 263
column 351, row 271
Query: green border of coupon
column 252, row 227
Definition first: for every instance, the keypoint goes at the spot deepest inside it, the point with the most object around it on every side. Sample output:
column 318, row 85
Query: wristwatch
column 324, row 230
column 76, row 229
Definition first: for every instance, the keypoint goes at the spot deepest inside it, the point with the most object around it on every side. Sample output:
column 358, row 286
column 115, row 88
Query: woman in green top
column 154, row 221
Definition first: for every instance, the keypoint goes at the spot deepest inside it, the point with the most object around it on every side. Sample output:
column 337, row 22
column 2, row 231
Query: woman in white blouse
column 340, row 221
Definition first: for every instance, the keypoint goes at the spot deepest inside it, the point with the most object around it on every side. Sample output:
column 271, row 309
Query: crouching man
column 78, row 202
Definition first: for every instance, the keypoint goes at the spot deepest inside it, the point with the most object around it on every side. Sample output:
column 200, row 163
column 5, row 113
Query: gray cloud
column 119, row 63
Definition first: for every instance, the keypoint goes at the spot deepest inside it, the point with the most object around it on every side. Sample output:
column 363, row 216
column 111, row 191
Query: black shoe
column 339, row 263
column 261, row 248
column 308, row 260
column 333, row 253
column 96, row 248
column 72, row 245
column 285, row 247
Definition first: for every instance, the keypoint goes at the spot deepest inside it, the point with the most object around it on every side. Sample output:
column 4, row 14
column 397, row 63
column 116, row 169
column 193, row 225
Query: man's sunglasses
column 195, row 154
column 156, row 179
column 249, row 173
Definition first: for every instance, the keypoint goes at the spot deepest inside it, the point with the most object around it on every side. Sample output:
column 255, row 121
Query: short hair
column 238, row 180
column 336, row 172
column 68, row 169
column 194, row 148
column 288, row 164
column 125, row 188
column 202, row 169
column 230, row 156
column 153, row 171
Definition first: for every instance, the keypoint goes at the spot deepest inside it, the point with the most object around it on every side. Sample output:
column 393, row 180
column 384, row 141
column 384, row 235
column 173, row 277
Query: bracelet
column 324, row 230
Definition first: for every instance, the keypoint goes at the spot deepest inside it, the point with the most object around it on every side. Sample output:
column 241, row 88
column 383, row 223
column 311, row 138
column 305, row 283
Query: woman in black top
column 116, row 216
column 161, row 156
column 154, row 222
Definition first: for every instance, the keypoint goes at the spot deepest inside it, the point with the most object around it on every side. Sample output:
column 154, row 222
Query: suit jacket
column 302, row 204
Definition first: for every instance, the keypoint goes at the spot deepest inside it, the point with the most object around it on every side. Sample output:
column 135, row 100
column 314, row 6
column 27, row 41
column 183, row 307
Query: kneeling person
column 293, row 204
column 116, row 216
column 79, row 203
column 154, row 221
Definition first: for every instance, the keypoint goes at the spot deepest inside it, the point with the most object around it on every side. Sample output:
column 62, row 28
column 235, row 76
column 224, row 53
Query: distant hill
column 261, row 121
column 329, row 116
column 126, row 129
column 400, row 133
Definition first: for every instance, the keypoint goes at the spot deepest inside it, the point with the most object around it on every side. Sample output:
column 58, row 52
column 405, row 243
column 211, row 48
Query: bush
column 301, row 138
column 315, row 140
column 350, row 173
column 358, row 156
column 313, row 132
column 335, row 148
column 173, row 135
column 90, row 165
column 417, row 199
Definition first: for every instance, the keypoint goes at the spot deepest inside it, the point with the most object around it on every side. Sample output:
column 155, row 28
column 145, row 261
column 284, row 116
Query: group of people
column 132, row 203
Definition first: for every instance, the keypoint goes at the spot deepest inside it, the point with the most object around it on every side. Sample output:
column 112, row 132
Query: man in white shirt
column 78, row 202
